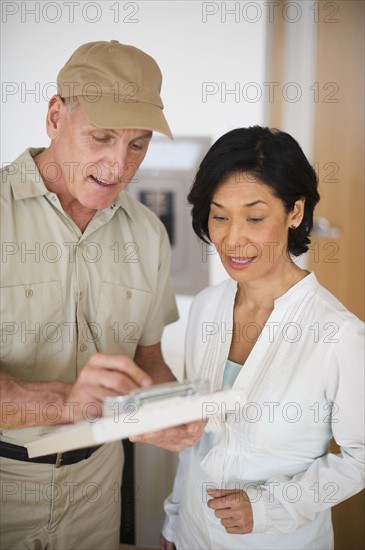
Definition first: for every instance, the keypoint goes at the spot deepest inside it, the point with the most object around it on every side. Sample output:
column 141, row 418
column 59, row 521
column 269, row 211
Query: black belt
column 16, row 452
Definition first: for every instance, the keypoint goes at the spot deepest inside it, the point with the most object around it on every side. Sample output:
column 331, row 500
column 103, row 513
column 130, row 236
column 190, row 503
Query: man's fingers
column 111, row 381
column 122, row 364
column 105, row 375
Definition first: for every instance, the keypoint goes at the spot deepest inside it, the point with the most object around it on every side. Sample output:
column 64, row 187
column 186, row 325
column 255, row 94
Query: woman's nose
column 235, row 241
column 235, row 237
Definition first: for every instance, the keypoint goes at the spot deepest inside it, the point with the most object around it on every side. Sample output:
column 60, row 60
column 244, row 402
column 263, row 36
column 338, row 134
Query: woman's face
column 249, row 227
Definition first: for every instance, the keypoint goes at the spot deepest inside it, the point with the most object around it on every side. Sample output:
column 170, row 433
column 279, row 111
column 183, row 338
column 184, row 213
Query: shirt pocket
column 121, row 315
column 31, row 324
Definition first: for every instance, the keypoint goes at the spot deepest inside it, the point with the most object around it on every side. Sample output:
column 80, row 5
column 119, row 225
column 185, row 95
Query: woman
column 262, row 475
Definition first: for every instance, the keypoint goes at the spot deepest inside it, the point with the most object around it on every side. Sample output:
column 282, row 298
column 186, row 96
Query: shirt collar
column 299, row 291
column 26, row 181
column 295, row 293
column 125, row 201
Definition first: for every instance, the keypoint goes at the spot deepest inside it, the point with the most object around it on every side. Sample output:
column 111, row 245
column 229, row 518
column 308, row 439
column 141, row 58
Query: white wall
column 189, row 52
column 195, row 43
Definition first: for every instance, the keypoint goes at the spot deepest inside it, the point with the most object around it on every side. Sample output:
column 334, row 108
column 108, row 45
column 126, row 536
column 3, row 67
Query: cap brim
column 105, row 112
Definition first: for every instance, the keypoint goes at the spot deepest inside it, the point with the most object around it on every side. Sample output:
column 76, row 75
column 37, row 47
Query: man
column 85, row 297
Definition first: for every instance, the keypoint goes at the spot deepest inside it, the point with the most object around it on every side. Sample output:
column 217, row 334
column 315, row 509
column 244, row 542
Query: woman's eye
column 219, row 218
column 255, row 220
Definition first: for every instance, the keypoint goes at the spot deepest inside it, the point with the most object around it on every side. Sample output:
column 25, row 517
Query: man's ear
column 56, row 111
column 296, row 215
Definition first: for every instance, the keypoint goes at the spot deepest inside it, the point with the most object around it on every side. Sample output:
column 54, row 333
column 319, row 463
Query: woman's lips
column 240, row 263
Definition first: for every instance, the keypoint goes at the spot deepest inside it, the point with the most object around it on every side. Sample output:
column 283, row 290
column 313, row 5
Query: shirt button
column 128, row 294
column 29, row 293
column 83, row 347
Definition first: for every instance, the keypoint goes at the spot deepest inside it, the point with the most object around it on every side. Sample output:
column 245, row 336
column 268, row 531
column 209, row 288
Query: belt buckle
column 58, row 462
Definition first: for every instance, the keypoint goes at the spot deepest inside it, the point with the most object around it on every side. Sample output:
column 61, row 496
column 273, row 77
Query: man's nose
column 119, row 163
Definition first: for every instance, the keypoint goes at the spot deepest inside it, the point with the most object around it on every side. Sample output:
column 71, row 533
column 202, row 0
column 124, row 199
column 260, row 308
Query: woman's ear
column 296, row 215
column 56, row 110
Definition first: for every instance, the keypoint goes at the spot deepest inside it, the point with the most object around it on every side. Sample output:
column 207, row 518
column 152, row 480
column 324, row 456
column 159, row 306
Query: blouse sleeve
column 284, row 504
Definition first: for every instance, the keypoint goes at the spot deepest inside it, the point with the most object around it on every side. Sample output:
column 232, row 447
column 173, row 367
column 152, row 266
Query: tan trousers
column 74, row 507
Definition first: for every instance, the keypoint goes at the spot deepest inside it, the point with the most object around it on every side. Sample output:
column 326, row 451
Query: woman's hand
column 233, row 508
column 166, row 544
column 175, row 439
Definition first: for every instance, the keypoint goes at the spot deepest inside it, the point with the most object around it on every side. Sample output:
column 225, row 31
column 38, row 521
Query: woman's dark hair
column 271, row 156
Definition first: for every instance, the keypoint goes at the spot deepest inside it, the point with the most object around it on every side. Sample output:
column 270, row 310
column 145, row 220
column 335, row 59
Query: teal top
column 231, row 372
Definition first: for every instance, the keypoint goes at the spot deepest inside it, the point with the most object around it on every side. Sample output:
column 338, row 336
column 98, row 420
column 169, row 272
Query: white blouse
column 304, row 384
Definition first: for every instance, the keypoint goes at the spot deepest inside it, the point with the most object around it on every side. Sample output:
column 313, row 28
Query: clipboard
column 142, row 411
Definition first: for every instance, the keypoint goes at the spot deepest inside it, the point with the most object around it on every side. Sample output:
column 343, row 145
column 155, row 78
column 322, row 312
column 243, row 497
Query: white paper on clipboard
column 136, row 418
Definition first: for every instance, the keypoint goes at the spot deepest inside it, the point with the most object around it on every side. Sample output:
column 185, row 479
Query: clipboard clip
column 158, row 392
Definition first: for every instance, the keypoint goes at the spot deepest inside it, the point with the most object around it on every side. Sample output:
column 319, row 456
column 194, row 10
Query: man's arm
column 104, row 375
column 18, row 398
column 151, row 361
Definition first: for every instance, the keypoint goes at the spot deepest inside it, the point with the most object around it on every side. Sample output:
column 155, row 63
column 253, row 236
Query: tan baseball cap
column 118, row 86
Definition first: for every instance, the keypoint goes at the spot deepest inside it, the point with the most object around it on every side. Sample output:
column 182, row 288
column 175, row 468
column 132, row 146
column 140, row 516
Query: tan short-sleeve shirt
column 67, row 294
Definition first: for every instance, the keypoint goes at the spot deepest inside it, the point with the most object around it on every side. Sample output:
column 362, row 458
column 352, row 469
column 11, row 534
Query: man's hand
column 166, row 544
column 60, row 403
column 104, row 375
column 234, row 509
column 174, row 439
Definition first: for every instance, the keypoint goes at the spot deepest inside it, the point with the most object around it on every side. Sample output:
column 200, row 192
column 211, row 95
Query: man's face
column 91, row 165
